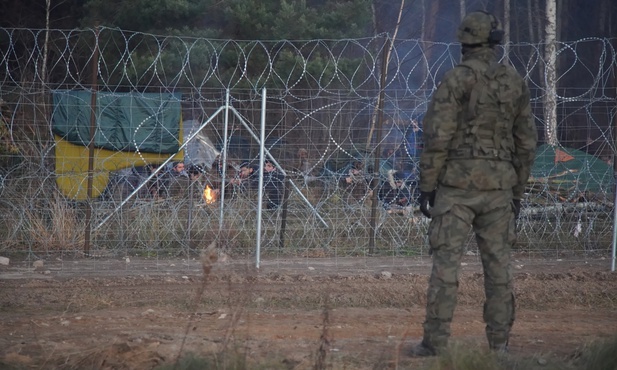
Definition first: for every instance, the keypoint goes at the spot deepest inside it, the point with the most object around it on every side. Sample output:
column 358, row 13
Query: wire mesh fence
column 94, row 123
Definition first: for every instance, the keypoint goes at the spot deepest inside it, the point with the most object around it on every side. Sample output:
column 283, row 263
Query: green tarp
column 571, row 171
column 129, row 122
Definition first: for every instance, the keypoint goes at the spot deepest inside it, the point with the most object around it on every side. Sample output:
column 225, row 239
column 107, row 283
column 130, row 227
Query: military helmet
column 479, row 28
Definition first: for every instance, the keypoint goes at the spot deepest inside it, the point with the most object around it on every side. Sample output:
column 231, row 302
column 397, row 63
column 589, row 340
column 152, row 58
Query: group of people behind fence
column 396, row 186
column 158, row 182
column 243, row 178
column 151, row 181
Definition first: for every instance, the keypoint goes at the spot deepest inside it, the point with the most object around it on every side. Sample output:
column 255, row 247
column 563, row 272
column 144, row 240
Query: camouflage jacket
column 449, row 160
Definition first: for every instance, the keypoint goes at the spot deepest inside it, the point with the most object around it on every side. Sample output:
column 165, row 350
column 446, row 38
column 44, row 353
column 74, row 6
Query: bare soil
column 363, row 312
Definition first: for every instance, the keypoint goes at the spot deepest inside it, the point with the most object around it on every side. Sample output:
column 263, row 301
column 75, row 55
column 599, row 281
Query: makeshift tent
column 570, row 173
column 200, row 151
column 131, row 130
column 72, row 167
column 132, row 122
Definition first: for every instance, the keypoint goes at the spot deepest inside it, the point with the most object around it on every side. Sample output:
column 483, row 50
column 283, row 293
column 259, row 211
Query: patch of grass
column 54, row 227
column 461, row 356
column 537, row 362
column 8, row 366
column 230, row 360
column 600, row 355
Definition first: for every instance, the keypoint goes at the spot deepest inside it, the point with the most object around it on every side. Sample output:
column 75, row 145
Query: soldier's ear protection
column 495, row 35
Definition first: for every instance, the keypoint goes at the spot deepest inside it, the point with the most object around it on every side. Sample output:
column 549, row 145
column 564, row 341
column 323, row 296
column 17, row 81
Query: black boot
column 422, row 349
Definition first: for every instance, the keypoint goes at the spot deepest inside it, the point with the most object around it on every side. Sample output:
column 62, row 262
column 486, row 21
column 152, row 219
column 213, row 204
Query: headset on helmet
column 478, row 28
column 495, row 36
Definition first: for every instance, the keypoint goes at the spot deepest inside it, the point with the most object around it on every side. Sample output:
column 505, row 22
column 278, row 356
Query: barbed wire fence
column 341, row 125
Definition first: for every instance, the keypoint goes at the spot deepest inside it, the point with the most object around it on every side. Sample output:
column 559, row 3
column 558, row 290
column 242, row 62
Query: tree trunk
column 532, row 38
column 562, row 10
column 463, row 8
column 606, row 12
column 506, row 30
column 387, row 54
column 422, row 43
column 550, row 57
column 431, row 23
column 423, row 28
column 537, row 15
column 428, row 34
column 603, row 15
column 45, row 45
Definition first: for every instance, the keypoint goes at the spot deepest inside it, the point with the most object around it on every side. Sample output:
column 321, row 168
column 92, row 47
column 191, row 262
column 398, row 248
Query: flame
column 209, row 195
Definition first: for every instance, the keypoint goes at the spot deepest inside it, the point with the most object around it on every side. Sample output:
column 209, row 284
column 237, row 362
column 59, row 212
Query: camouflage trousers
column 490, row 214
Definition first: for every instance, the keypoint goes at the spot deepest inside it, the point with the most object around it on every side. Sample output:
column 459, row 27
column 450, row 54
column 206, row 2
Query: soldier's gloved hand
column 517, row 207
column 427, row 199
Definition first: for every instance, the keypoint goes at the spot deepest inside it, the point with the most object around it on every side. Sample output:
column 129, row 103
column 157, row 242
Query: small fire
column 209, row 195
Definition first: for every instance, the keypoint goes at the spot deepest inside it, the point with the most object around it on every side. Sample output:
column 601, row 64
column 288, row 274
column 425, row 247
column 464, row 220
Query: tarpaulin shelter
column 570, row 172
column 131, row 129
column 200, row 150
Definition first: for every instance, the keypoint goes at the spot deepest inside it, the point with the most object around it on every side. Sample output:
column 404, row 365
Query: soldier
column 479, row 146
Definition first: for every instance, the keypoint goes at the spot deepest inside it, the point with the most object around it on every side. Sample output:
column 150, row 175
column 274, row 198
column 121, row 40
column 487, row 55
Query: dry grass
column 459, row 356
column 600, row 355
column 209, row 257
column 49, row 222
column 56, row 228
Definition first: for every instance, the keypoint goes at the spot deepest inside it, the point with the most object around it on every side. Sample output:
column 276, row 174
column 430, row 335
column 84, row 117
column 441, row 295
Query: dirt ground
column 363, row 312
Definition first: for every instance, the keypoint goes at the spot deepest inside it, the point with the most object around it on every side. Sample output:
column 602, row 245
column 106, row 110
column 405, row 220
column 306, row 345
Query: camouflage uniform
column 477, row 156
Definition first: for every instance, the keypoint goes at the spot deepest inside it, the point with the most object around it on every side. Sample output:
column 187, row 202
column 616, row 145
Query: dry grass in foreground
column 600, row 355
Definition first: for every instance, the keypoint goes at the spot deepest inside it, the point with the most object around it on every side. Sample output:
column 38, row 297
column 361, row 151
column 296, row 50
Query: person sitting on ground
column 396, row 195
column 232, row 177
column 304, row 166
column 356, row 183
column 178, row 170
column 273, row 185
column 195, row 172
column 303, row 163
column 155, row 185
column 247, row 177
column 175, row 179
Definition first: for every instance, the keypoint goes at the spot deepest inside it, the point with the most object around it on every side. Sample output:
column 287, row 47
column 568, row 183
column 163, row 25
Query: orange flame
column 209, row 195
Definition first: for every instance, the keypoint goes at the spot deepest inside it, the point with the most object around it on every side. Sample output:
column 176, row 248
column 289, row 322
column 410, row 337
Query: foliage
column 197, row 28
column 295, row 19
column 236, row 19
column 143, row 15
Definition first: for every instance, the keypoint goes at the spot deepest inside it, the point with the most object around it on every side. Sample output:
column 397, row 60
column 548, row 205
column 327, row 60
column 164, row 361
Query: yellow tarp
column 72, row 167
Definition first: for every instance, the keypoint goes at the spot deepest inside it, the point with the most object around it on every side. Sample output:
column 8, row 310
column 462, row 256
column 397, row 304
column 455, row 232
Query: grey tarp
column 146, row 122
